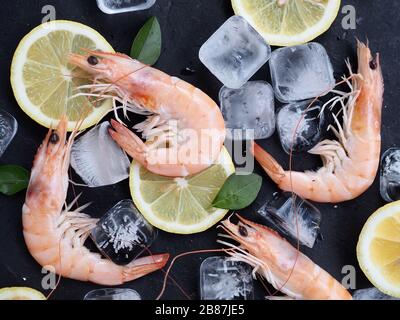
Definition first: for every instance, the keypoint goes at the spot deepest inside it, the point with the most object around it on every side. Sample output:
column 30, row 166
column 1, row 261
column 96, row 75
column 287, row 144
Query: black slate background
column 186, row 25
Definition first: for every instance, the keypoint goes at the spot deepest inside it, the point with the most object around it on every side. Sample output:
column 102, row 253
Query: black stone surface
column 186, row 25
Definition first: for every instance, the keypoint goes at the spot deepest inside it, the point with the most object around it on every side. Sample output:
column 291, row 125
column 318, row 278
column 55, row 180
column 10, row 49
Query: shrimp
column 184, row 130
column 282, row 265
column 55, row 237
column 351, row 163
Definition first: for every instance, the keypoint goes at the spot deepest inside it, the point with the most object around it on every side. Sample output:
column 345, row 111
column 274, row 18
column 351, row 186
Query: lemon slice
column 288, row 22
column 378, row 249
column 42, row 79
column 20, row 293
column 181, row 205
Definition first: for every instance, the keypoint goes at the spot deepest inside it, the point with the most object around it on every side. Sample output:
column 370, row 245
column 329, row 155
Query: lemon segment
column 42, row 79
column 378, row 249
column 288, row 22
column 20, row 293
column 181, row 205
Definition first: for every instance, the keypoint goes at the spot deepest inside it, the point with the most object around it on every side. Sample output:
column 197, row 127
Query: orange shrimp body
column 282, row 265
column 184, row 131
column 351, row 163
column 55, row 237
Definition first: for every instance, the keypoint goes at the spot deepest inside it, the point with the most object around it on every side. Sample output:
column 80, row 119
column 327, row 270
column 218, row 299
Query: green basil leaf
column 13, row 179
column 147, row 45
column 238, row 192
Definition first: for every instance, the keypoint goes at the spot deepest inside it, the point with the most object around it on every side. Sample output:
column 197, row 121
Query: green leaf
column 13, row 179
column 147, row 45
column 238, row 192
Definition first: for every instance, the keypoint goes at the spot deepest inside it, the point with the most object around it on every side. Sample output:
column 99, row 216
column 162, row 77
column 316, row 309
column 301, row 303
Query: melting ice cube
column 122, row 234
column 112, row 294
column 301, row 72
column 235, row 52
column 119, row 6
column 8, row 129
column 293, row 216
column 250, row 108
column 224, row 279
column 390, row 175
column 97, row 158
column 307, row 124
column 371, row 294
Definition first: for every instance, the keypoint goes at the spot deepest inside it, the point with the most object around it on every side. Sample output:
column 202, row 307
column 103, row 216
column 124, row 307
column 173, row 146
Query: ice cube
column 122, row 234
column 224, row 279
column 235, row 52
column 119, row 6
column 307, row 123
column 371, row 294
column 293, row 216
column 112, row 294
column 301, row 72
column 8, row 129
column 97, row 158
column 390, row 175
column 250, row 108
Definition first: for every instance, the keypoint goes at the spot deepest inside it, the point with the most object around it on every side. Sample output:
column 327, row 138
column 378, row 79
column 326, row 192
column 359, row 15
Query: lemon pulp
column 181, row 205
column 42, row 79
column 378, row 249
column 288, row 22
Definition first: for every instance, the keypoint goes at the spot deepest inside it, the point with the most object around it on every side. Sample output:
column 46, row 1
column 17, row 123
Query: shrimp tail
column 269, row 164
column 143, row 266
column 128, row 141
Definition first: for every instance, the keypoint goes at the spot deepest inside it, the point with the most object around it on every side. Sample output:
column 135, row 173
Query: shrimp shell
column 351, row 163
column 282, row 265
column 55, row 236
column 184, row 130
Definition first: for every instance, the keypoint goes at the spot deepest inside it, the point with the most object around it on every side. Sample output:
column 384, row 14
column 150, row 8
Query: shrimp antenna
column 164, row 286
column 171, row 278
column 341, row 96
column 105, row 91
